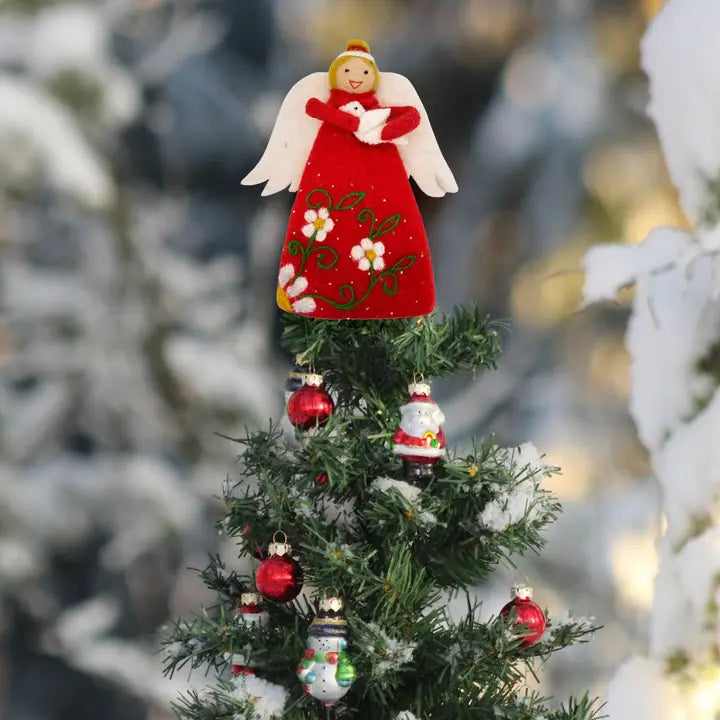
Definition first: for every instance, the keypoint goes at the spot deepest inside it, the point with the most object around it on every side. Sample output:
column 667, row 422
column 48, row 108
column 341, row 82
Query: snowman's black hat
column 328, row 623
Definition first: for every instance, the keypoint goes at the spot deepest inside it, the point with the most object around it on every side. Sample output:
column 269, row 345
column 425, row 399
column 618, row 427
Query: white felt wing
column 422, row 157
column 291, row 140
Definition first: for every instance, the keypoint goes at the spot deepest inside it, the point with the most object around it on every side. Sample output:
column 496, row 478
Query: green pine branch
column 393, row 552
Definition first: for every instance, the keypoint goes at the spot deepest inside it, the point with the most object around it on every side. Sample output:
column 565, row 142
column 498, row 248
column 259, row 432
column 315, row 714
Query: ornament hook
column 280, row 532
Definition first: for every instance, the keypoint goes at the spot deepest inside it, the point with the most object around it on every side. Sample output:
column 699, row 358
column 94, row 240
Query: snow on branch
column 265, row 700
column 610, row 268
column 673, row 338
column 681, row 54
column 674, row 323
column 683, row 465
column 524, row 500
column 391, row 653
column 409, row 493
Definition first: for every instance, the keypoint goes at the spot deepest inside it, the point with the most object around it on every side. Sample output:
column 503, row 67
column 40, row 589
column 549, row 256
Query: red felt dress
column 356, row 246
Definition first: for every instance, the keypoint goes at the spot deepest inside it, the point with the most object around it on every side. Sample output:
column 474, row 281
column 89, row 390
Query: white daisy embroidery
column 318, row 222
column 287, row 291
column 369, row 254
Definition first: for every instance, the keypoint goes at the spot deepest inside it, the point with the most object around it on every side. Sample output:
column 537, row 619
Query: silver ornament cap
column 250, row 598
column 419, row 388
column 279, row 548
column 521, row 591
column 331, row 604
column 312, row 379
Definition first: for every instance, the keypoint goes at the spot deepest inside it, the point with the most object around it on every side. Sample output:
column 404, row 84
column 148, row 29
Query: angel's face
column 355, row 76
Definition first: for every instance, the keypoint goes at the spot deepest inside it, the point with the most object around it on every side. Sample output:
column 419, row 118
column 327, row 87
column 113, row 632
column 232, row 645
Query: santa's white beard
column 417, row 428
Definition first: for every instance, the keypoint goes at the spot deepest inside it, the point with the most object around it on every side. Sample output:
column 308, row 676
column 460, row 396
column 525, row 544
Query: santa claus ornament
column 420, row 440
column 249, row 612
column 523, row 610
column 279, row 577
column 347, row 141
column 325, row 669
column 310, row 406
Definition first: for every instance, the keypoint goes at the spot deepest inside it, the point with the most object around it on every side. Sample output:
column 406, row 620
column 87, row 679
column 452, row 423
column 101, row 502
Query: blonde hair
column 342, row 59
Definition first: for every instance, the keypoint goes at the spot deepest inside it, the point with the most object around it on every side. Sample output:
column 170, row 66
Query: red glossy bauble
column 279, row 578
column 526, row 612
column 311, row 405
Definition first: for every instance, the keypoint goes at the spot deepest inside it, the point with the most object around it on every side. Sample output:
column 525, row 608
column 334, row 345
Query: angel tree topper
column 420, row 440
column 347, row 141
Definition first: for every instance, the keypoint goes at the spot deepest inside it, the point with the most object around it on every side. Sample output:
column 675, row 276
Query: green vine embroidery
column 387, row 279
column 327, row 257
column 386, row 226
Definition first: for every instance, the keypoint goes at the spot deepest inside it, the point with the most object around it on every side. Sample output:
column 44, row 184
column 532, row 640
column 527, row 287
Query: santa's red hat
column 420, row 392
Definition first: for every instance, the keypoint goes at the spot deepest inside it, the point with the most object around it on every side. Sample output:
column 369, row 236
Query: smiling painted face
column 355, row 76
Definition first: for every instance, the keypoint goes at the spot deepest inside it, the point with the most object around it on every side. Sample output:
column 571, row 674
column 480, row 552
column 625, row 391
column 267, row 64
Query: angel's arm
column 327, row 113
column 402, row 120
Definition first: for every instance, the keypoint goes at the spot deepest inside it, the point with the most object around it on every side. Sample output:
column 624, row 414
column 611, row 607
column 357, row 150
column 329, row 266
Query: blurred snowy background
column 138, row 319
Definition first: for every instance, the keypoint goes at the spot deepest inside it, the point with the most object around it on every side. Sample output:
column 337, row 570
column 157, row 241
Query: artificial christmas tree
column 392, row 550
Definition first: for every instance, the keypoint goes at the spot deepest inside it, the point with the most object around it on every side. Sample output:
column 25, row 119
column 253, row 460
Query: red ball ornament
column 279, row 577
column 311, row 405
column 526, row 612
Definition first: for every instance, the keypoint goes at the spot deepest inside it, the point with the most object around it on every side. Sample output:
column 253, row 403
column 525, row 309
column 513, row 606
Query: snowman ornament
column 325, row 668
column 420, row 440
